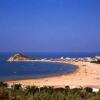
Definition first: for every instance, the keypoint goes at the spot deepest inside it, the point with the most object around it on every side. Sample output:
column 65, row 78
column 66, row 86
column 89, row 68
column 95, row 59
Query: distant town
column 22, row 57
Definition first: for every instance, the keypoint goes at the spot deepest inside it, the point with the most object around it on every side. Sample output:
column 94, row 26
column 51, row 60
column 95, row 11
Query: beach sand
column 87, row 74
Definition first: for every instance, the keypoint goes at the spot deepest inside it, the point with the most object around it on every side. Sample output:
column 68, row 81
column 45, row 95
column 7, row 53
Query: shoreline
column 42, row 77
column 80, row 77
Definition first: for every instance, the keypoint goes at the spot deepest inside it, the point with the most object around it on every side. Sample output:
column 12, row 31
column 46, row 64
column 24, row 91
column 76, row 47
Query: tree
column 88, row 89
column 16, row 86
column 15, row 90
column 31, row 90
column 3, row 85
column 67, row 89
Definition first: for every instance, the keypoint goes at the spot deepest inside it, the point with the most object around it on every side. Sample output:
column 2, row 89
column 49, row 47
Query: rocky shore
column 19, row 57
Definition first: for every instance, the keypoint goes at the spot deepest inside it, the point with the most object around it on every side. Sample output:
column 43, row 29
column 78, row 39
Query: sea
column 33, row 70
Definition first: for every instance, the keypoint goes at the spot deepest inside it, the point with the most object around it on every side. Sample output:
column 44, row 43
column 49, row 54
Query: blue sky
column 50, row 25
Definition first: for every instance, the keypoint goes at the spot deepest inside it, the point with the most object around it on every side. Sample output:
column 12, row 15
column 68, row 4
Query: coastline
column 48, row 76
column 86, row 74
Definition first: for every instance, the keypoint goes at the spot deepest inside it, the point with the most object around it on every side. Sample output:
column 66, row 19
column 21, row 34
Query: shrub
column 88, row 89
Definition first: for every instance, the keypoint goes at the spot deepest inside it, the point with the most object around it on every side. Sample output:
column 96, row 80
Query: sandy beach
column 87, row 74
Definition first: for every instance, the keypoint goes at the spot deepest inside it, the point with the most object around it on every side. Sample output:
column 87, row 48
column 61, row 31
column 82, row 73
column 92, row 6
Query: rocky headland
column 19, row 57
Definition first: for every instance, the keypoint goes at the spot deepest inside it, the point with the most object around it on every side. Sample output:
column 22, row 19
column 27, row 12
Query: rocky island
column 19, row 57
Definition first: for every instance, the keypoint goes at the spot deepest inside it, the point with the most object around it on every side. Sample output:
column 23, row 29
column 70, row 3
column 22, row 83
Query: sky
column 50, row 25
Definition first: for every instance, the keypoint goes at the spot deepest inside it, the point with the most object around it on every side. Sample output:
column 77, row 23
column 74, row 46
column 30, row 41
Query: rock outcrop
column 19, row 57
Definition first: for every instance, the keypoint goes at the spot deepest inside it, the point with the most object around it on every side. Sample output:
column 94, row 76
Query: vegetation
column 97, row 62
column 16, row 92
